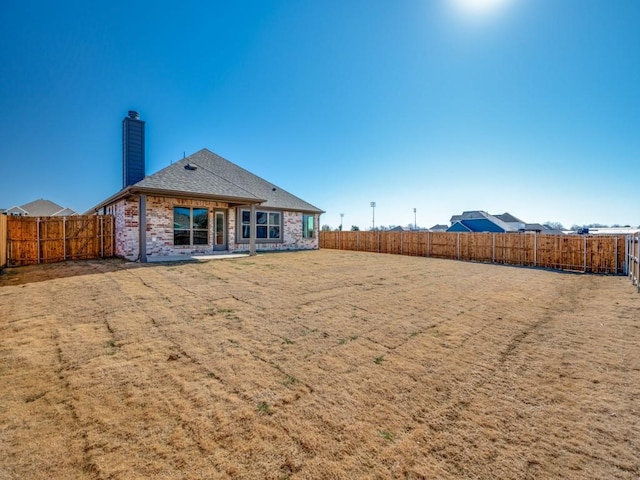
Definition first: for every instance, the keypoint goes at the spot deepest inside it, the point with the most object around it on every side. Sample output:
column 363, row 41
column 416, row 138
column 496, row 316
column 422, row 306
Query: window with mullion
column 268, row 225
column 308, row 226
column 190, row 226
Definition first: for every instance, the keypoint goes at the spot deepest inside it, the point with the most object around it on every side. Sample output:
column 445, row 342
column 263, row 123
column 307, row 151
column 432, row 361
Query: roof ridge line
column 223, row 178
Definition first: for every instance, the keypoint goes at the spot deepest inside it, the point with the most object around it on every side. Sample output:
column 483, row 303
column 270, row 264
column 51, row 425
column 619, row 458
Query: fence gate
column 34, row 240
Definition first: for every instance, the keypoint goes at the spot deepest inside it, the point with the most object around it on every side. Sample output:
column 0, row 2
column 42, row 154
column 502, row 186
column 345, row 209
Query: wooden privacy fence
column 32, row 240
column 3, row 241
column 584, row 253
column 633, row 259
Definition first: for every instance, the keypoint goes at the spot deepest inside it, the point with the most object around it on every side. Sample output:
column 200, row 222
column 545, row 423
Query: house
column 200, row 205
column 439, row 228
column 481, row 221
column 40, row 208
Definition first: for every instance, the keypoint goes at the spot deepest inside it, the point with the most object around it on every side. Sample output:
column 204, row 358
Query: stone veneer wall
column 160, row 228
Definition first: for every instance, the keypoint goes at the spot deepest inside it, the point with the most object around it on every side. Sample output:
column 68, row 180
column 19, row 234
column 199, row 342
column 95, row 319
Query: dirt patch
column 320, row 364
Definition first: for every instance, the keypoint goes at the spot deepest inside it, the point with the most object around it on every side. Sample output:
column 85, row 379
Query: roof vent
column 188, row 166
column 133, row 114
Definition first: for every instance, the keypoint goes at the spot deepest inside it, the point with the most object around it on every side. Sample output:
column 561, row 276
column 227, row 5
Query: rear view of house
column 202, row 204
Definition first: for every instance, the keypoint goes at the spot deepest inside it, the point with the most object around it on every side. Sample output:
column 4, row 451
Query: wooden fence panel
column 22, row 248
column 3, row 241
column 33, row 240
column 443, row 245
column 584, row 253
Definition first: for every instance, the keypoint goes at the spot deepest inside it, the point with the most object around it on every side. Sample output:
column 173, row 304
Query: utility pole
column 373, row 222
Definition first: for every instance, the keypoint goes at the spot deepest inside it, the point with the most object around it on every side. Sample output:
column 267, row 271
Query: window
column 190, row 226
column 268, row 225
column 308, row 230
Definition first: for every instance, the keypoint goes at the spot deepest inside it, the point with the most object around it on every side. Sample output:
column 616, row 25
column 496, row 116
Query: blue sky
column 532, row 108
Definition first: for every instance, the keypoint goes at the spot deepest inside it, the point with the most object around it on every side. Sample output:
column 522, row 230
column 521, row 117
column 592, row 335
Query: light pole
column 373, row 208
column 415, row 227
column 341, row 217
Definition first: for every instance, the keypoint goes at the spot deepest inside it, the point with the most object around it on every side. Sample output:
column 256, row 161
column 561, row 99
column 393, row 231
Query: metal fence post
column 626, row 254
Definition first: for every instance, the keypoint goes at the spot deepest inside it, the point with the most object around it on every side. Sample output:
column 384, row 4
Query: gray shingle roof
column 507, row 217
column 45, row 208
column 212, row 175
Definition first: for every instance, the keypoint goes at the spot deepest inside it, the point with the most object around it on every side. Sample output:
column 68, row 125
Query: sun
column 479, row 6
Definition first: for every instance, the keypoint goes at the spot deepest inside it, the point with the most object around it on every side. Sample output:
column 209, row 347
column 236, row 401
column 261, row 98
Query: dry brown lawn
column 313, row 365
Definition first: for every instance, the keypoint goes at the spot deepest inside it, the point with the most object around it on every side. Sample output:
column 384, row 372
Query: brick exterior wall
column 160, row 228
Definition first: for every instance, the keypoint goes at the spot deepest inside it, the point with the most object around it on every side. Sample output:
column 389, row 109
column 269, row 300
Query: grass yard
column 314, row 365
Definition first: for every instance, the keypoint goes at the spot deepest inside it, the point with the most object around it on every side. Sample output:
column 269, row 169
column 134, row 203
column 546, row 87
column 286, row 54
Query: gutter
column 133, row 190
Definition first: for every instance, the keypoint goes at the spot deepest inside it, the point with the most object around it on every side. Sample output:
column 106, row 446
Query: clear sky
column 531, row 107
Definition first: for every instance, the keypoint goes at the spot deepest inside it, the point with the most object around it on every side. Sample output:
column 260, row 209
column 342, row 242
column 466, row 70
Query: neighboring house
column 480, row 221
column 613, row 230
column 439, row 228
column 202, row 204
column 40, row 208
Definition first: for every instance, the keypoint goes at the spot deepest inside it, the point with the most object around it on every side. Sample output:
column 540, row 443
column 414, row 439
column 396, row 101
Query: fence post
column 535, row 249
column 38, row 237
column 64, row 237
column 428, row 244
column 458, row 245
column 101, row 237
column 627, row 241
column 584, row 248
column 493, row 248
column 616, row 257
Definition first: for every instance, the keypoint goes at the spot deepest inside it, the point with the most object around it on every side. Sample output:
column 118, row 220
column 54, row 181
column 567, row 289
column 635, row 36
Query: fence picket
column 53, row 239
column 595, row 254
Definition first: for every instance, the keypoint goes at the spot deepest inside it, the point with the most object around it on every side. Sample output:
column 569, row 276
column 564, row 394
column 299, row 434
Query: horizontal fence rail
column 584, row 253
column 633, row 259
column 33, row 240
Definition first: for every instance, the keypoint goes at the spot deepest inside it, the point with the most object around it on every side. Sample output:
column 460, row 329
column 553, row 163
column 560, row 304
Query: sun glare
column 479, row 6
